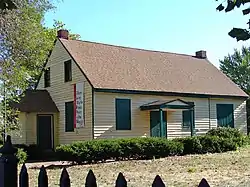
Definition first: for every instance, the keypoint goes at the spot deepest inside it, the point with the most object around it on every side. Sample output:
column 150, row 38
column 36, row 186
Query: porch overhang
column 35, row 101
column 176, row 104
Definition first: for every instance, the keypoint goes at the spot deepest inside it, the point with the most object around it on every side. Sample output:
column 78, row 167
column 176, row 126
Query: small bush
column 247, row 140
column 225, row 132
column 21, row 156
column 192, row 145
column 215, row 144
column 230, row 133
column 33, row 151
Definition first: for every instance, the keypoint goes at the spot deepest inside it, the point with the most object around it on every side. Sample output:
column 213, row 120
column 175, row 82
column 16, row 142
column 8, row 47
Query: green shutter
column 187, row 118
column 67, row 71
column 123, row 114
column 225, row 116
column 69, row 116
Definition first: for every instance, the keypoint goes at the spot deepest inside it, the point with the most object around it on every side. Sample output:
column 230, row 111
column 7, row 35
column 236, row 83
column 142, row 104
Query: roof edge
column 45, row 63
column 17, row 105
column 133, row 48
column 169, row 93
column 76, row 63
column 227, row 77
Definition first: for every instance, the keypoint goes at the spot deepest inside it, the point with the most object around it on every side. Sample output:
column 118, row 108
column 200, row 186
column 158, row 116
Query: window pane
column 67, row 71
column 225, row 116
column 187, row 118
column 47, row 77
column 123, row 114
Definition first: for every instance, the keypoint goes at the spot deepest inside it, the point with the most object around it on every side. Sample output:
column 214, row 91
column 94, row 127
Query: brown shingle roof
column 36, row 101
column 115, row 67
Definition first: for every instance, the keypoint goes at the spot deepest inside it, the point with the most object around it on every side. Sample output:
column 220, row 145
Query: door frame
column 164, row 111
column 52, row 128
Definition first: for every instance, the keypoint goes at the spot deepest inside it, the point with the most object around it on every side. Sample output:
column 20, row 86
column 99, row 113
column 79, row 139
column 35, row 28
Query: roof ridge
column 127, row 47
column 184, row 80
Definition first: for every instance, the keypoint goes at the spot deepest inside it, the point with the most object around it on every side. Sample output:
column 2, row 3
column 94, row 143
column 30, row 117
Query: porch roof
column 36, row 101
column 173, row 104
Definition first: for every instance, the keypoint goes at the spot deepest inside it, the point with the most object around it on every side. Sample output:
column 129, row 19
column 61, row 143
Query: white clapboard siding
column 62, row 92
column 104, row 115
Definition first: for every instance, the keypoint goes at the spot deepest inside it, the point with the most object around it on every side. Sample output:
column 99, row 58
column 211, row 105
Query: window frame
column 192, row 115
column 66, row 126
column 183, row 118
column 47, row 79
column 68, row 71
column 118, row 126
column 217, row 115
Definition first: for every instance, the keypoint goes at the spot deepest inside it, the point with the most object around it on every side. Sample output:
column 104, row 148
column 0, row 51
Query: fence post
column 8, row 164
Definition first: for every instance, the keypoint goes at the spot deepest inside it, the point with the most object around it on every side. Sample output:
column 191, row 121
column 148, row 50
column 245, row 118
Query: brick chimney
column 201, row 54
column 62, row 33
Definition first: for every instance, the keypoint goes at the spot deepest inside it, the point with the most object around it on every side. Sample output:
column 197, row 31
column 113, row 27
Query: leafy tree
column 229, row 5
column 24, row 47
column 237, row 68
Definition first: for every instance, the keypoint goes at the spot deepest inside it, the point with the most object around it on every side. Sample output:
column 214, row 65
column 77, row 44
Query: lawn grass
column 226, row 169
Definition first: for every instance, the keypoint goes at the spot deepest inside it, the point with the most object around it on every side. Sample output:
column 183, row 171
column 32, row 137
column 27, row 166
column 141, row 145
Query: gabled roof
column 36, row 101
column 124, row 68
column 173, row 104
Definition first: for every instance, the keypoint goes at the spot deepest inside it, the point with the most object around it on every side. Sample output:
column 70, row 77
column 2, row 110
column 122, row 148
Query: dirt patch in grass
column 227, row 169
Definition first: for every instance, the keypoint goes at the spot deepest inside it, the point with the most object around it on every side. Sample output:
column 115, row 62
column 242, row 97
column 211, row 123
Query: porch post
column 193, row 123
column 161, row 122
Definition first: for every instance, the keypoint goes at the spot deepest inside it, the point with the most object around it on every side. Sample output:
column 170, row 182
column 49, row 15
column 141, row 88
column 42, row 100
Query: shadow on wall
column 107, row 132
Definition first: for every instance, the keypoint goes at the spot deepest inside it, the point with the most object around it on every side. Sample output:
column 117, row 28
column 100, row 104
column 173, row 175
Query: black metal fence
column 8, row 173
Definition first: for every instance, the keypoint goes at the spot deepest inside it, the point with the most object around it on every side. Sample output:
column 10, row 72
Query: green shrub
column 247, row 140
column 192, row 145
column 66, row 153
column 231, row 133
column 118, row 149
column 215, row 144
column 146, row 148
column 225, row 132
column 21, row 156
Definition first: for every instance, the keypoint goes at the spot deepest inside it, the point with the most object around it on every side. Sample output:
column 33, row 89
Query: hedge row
column 148, row 148
column 215, row 141
column 118, row 149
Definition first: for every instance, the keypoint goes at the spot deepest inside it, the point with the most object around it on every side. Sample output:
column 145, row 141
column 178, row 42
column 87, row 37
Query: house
column 91, row 91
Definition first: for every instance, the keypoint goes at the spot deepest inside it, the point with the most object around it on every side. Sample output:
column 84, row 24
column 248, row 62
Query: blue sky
column 173, row 26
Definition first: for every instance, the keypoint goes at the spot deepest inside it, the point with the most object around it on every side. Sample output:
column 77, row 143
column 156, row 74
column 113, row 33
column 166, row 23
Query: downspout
column 209, row 112
column 93, row 115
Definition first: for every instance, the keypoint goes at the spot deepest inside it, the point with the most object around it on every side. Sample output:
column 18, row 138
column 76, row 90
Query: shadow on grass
column 67, row 164
column 53, row 166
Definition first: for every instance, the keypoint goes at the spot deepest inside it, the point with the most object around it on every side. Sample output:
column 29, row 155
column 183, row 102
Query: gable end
column 77, row 64
column 49, row 55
